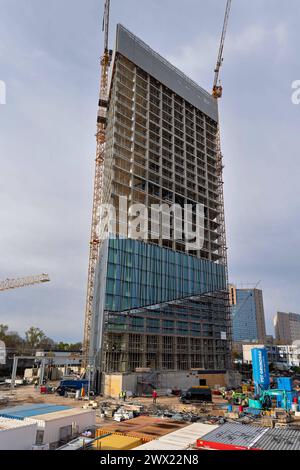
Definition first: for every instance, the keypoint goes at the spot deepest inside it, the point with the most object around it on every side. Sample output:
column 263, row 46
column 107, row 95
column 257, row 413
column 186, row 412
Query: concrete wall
column 114, row 383
column 130, row 382
column 19, row 438
column 181, row 380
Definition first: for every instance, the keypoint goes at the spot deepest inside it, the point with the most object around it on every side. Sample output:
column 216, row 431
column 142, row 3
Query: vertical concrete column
column 206, row 186
column 175, row 353
column 14, row 373
column 189, row 353
column 160, row 351
column 144, row 353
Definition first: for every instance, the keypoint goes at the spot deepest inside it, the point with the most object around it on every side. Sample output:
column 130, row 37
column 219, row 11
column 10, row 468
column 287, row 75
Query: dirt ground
column 211, row 412
column 28, row 394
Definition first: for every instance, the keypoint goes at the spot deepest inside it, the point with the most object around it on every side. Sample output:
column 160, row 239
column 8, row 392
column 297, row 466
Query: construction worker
column 122, row 395
column 154, row 396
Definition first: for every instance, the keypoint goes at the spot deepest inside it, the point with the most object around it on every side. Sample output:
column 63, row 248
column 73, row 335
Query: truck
column 72, row 385
column 196, row 395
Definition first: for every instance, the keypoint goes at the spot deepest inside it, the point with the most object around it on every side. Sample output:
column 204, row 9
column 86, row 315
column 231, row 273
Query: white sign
column 2, row 353
column 2, row 92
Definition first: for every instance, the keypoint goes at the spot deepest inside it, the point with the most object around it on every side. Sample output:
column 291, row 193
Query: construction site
column 156, row 371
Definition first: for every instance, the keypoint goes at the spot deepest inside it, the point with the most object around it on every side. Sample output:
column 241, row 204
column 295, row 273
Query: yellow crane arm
column 217, row 89
column 23, row 282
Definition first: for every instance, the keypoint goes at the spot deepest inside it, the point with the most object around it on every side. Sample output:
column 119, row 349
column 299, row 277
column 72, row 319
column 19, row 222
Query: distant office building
column 287, row 327
column 281, row 356
column 269, row 340
column 248, row 315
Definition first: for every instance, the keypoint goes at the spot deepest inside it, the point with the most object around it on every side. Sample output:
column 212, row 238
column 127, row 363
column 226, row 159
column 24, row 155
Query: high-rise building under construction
column 160, row 300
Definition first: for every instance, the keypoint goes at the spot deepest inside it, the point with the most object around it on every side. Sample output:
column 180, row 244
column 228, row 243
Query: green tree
column 61, row 346
column 13, row 341
column 47, row 343
column 75, row 346
column 3, row 331
column 34, row 337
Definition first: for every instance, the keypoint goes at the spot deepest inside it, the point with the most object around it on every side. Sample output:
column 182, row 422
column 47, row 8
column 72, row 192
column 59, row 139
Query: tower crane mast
column 95, row 240
column 8, row 284
column 217, row 88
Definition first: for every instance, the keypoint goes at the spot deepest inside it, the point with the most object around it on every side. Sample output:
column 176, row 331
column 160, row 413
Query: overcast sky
column 49, row 60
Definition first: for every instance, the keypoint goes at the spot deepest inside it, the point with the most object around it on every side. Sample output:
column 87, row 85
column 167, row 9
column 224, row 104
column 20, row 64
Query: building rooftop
column 63, row 414
column 138, row 52
column 31, row 409
column 279, row 439
column 254, row 437
column 8, row 423
column 235, row 435
column 180, row 439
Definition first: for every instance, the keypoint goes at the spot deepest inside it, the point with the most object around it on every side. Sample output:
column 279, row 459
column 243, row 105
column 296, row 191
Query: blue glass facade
column 141, row 274
column 158, row 308
column 244, row 316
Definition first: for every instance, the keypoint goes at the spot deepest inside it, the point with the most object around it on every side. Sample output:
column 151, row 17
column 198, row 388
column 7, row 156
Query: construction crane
column 23, row 282
column 95, row 240
column 217, row 88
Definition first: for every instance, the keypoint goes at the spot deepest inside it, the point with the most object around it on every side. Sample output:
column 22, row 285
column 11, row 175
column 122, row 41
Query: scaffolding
column 163, row 146
column 176, row 336
column 222, row 230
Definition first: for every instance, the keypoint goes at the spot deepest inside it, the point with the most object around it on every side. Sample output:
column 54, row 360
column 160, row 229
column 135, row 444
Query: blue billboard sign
column 260, row 366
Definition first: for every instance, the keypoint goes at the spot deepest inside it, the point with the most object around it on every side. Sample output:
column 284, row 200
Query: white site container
column 181, row 439
column 17, row 434
column 53, row 427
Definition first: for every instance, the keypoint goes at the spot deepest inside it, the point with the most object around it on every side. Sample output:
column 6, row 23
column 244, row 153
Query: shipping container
column 62, row 426
column 232, row 436
column 16, row 434
column 145, row 427
column 181, row 439
column 117, row 442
